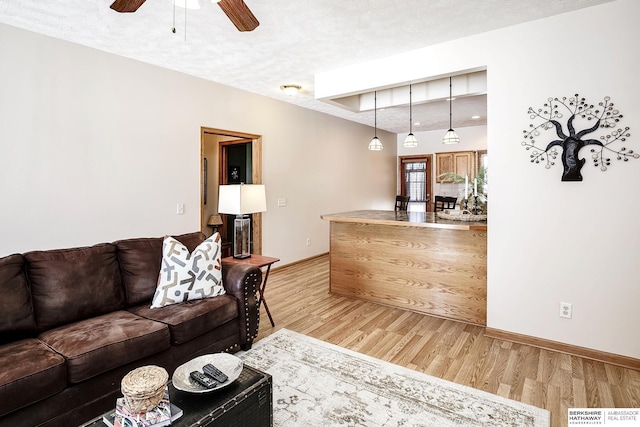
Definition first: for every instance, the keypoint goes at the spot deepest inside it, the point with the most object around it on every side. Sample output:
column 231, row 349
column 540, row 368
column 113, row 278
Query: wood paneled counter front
column 411, row 260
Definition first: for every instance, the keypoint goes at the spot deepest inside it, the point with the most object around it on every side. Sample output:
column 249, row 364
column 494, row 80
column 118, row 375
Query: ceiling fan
column 236, row 10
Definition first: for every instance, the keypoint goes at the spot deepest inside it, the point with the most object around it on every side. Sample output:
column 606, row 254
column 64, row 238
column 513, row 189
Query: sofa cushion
column 74, row 284
column 30, row 372
column 140, row 261
column 186, row 276
column 16, row 311
column 192, row 318
column 96, row 345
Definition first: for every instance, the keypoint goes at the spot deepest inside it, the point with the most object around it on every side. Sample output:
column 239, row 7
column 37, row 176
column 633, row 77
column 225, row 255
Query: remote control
column 202, row 379
column 214, row 373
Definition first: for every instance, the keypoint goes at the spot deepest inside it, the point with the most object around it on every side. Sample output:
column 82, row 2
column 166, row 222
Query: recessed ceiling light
column 475, row 117
column 417, row 123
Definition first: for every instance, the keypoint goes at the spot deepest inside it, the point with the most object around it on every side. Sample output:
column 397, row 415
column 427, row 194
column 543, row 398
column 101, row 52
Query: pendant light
column 410, row 141
column 375, row 144
column 450, row 137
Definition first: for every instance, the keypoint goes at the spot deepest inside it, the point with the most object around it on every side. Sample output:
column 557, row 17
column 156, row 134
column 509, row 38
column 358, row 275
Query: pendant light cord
column 375, row 113
column 411, row 112
column 450, row 103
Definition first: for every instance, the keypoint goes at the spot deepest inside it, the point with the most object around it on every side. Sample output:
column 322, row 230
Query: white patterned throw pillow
column 188, row 276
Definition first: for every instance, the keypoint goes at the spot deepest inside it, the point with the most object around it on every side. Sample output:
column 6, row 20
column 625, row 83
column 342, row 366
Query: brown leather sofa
column 74, row 321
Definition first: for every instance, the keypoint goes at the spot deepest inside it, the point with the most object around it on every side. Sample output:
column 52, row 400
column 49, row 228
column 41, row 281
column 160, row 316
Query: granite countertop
column 405, row 219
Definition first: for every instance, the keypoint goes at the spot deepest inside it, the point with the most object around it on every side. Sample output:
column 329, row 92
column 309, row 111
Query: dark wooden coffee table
column 247, row 402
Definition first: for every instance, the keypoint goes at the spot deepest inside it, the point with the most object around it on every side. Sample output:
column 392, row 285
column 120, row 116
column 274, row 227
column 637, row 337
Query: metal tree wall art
column 603, row 118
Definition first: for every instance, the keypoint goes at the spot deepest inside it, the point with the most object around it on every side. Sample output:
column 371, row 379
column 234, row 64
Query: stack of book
column 162, row 415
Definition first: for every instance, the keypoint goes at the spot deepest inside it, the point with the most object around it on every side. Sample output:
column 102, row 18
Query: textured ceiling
column 295, row 40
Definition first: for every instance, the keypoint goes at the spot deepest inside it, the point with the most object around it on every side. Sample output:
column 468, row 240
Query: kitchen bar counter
column 413, row 261
column 405, row 219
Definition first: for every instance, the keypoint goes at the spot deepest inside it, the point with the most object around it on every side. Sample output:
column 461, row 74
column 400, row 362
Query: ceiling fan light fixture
column 126, row 6
column 187, row 4
column 239, row 14
column 290, row 90
column 375, row 144
column 450, row 137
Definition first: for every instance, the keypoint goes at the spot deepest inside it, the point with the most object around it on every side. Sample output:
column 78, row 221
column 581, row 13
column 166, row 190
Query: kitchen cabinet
column 462, row 163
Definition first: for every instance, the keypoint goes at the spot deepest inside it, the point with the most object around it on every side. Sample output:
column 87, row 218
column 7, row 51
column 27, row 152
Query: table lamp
column 241, row 200
column 215, row 221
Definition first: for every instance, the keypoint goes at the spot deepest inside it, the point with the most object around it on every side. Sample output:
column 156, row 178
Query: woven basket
column 461, row 216
column 143, row 387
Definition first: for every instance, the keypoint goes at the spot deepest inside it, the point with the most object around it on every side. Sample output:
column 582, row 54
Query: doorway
column 415, row 181
column 228, row 157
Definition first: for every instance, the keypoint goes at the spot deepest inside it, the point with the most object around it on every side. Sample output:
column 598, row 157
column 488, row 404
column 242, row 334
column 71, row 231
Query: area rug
column 320, row 384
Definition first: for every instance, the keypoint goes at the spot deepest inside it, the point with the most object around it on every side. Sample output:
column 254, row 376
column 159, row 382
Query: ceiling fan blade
column 124, row 6
column 239, row 14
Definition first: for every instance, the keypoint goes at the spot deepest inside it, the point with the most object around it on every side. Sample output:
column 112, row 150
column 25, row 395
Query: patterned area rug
column 319, row 384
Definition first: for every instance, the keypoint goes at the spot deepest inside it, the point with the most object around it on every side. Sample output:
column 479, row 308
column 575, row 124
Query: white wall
column 97, row 147
column 551, row 241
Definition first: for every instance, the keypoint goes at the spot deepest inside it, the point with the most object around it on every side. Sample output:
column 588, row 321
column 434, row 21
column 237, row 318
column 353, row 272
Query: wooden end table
column 258, row 261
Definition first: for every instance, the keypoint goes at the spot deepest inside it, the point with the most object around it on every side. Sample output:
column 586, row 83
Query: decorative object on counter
column 411, row 141
column 241, row 200
column 143, row 387
column 479, row 182
column 450, row 137
column 605, row 117
column 375, row 144
column 461, row 215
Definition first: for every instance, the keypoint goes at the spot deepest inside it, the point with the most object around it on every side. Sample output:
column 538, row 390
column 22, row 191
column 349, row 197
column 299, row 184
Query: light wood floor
column 299, row 300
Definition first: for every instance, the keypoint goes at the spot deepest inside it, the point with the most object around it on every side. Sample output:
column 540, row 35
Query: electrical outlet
column 308, row 242
column 282, row 202
column 565, row 310
column 180, row 209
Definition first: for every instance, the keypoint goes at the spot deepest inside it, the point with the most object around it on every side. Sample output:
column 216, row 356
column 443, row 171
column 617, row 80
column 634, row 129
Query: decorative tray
column 463, row 215
column 228, row 363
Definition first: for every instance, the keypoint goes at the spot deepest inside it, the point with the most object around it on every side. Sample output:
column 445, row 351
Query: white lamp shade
column 450, row 137
column 375, row 144
column 411, row 141
column 242, row 199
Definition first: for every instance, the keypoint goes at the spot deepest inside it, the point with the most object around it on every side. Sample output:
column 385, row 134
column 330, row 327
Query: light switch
column 282, row 202
column 180, row 209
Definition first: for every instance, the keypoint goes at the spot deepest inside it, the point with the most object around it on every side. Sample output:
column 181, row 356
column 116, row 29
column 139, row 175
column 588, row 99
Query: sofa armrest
column 243, row 281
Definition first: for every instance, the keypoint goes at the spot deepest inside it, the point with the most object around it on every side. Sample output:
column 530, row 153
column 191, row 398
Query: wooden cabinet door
column 459, row 162
column 464, row 162
column 444, row 164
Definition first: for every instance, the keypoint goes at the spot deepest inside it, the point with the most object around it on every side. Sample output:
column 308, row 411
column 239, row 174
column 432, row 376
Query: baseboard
column 574, row 350
column 300, row 261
